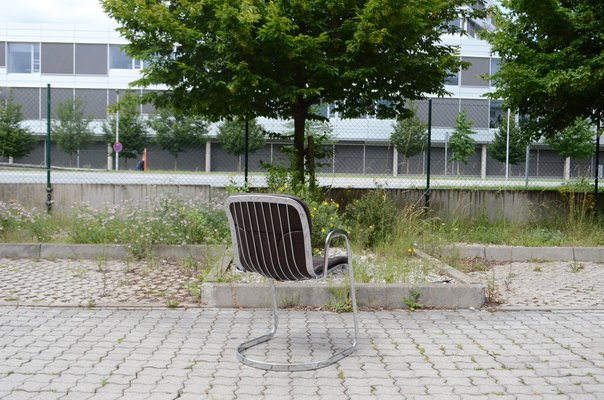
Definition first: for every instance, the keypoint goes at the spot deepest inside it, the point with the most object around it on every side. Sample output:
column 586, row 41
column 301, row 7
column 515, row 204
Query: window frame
column 34, row 57
column 135, row 64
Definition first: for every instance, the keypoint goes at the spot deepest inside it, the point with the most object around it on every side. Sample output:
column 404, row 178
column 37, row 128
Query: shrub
column 372, row 218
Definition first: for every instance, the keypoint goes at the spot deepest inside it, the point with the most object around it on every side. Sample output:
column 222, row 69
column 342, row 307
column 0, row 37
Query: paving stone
column 144, row 352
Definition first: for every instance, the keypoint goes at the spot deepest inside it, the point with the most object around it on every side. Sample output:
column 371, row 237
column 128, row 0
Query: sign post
column 117, row 132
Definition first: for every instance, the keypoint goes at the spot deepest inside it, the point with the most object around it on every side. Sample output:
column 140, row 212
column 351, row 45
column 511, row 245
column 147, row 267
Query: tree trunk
column 175, row 163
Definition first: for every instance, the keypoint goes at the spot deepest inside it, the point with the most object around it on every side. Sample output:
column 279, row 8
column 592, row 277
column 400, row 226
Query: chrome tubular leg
column 288, row 367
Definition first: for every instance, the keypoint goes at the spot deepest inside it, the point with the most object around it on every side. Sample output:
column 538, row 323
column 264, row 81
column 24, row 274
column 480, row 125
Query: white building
column 87, row 63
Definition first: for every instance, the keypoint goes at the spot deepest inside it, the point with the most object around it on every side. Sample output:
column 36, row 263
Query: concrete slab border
column 239, row 295
column 520, row 253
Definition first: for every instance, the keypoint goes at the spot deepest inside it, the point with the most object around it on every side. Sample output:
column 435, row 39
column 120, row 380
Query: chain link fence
column 358, row 153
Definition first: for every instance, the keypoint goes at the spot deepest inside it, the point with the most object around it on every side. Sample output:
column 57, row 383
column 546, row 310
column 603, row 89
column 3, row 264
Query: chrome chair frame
column 260, row 258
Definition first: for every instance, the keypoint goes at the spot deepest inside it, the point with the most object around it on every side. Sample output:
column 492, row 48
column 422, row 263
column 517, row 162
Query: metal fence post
column 597, row 160
column 428, row 151
column 48, row 127
column 247, row 151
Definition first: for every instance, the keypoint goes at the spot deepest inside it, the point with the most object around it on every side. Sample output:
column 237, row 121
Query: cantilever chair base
column 283, row 367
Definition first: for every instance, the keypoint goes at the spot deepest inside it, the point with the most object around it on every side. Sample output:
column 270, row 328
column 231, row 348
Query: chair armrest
column 333, row 234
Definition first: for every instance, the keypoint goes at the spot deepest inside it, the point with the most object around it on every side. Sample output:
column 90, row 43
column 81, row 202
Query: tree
column 575, row 141
column 71, row 130
column 15, row 141
column 177, row 133
column 133, row 134
column 249, row 58
column 552, row 68
column 461, row 143
column 231, row 136
column 517, row 144
column 409, row 136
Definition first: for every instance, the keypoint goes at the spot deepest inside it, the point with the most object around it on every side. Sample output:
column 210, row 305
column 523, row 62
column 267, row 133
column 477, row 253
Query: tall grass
column 375, row 222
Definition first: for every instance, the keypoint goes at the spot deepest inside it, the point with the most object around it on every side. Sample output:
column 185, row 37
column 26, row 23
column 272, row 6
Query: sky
column 53, row 11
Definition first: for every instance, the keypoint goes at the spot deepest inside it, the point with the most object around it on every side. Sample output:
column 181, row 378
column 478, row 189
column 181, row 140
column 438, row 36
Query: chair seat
column 332, row 263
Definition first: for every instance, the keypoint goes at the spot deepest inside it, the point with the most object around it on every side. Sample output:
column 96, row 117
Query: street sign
column 117, row 147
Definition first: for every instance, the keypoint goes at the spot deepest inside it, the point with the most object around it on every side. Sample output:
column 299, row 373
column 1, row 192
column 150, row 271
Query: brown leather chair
column 271, row 236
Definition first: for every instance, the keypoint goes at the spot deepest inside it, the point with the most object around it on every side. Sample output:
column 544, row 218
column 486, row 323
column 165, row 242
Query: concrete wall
column 495, row 204
column 66, row 195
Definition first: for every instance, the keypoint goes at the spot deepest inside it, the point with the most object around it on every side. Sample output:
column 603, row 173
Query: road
column 256, row 180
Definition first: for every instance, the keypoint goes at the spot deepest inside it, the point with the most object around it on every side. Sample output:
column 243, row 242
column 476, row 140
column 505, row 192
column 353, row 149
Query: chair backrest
column 271, row 235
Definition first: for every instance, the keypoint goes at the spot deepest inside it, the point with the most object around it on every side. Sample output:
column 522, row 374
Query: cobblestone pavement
column 93, row 282
column 552, row 284
column 65, row 352
column 77, row 353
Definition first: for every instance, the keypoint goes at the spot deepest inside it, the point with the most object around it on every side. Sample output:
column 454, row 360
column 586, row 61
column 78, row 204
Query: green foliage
column 517, row 149
column 21, row 225
column 70, row 130
column 231, row 136
column 409, row 136
column 133, row 134
column 168, row 221
column 323, row 212
column 15, row 141
column 551, row 68
column 316, row 134
column 575, row 141
column 276, row 59
column 412, row 301
column 461, row 143
column 177, row 132
column 372, row 218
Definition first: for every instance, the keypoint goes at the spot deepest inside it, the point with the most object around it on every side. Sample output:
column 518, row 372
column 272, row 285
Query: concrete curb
column 240, row 295
column 91, row 251
column 519, row 253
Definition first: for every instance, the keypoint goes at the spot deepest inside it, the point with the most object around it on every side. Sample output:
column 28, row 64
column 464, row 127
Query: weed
column 194, row 289
column 104, row 382
column 172, row 302
column 537, row 269
column 340, row 302
column 396, row 344
column 287, row 301
column 412, row 301
column 491, row 293
column 509, row 278
column 576, row 267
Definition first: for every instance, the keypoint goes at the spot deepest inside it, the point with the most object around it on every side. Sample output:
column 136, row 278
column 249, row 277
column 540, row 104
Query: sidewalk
column 69, row 353
column 124, row 342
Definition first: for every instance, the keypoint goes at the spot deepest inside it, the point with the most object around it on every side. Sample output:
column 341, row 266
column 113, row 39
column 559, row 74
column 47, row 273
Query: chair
column 271, row 236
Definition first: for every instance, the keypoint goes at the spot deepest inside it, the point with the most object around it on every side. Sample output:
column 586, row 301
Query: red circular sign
column 117, row 147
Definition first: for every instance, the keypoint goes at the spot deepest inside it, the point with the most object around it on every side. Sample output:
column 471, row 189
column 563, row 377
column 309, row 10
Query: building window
column 494, row 68
column 496, row 115
column 23, row 58
column 118, row 59
column 453, row 79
